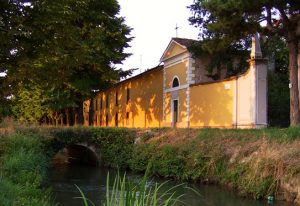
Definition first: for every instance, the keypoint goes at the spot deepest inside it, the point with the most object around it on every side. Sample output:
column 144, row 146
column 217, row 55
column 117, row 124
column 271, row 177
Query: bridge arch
column 78, row 153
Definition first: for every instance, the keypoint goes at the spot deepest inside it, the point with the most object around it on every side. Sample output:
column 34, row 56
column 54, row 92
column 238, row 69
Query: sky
column 153, row 23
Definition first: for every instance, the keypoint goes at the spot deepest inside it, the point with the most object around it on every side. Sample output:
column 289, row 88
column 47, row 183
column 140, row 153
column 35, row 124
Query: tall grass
column 255, row 162
column 22, row 170
column 126, row 193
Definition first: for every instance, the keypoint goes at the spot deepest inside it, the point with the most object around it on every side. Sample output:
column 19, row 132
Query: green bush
column 168, row 162
column 141, row 156
column 116, row 145
column 23, row 168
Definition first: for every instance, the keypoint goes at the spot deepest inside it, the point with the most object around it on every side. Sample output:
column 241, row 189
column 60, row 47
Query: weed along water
column 92, row 181
column 260, row 164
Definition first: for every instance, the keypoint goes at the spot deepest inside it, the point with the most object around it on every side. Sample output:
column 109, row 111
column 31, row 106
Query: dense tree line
column 56, row 54
column 275, row 49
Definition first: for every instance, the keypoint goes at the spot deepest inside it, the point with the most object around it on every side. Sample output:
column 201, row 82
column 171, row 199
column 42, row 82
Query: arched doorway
column 175, row 101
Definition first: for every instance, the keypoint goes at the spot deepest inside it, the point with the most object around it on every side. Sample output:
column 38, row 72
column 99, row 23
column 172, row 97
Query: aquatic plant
column 124, row 192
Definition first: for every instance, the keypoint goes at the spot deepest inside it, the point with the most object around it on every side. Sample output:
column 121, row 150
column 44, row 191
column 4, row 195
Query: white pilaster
column 255, row 49
column 190, row 78
column 258, row 71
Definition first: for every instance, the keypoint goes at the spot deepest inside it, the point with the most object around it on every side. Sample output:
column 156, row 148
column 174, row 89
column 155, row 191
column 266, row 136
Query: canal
column 92, row 181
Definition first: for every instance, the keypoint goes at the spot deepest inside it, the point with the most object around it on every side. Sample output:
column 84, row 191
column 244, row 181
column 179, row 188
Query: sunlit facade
column 180, row 94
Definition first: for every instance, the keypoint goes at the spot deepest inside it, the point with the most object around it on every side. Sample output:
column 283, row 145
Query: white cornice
column 176, row 88
column 176, row 59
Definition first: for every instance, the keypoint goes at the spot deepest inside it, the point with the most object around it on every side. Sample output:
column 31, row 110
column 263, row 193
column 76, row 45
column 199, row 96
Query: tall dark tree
column 230, row 21
column 275, row 48
column 12, row 32
column 69, row 48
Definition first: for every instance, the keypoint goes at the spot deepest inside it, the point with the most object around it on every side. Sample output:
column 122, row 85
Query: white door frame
column 172, row 110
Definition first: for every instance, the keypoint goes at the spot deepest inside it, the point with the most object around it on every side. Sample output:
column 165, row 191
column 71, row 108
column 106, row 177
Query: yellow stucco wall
column 211, row 105
column 182, row 105
column 225, row 103
column 144, row 107
column 174, row 50
column 182, row 108
column 167, row 110
column 178, row 70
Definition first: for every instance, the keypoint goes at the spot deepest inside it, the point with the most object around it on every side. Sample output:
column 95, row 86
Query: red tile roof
column 184, row 42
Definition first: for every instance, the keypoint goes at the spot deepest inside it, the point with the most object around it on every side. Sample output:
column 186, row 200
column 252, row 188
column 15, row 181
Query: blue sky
column 153, row 24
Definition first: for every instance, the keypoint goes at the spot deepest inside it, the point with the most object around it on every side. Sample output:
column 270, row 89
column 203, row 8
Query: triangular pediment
column 173, row 49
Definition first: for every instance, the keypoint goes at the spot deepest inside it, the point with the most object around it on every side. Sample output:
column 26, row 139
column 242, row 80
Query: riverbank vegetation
column 26, row 154
column 22, row 171
column 124, row 192
column 257, row 163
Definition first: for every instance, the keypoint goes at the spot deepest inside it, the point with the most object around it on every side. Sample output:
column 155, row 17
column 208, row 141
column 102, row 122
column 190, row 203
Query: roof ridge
column 184, row 38
column 184, row 41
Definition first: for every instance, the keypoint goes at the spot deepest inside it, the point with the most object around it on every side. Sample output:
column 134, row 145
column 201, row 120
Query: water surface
column 92, row 182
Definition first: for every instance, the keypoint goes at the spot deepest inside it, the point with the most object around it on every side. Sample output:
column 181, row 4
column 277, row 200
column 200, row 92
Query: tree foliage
column 275, row 49
column 278, row 99
column 226, row 23
column 234, row 19
column 30, row 103
column 5, row 103
column 67, row 47
column 232, row 57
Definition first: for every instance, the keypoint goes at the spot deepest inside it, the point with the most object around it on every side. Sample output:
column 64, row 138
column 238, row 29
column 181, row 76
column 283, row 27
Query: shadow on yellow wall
column 212, row 105
column 148, row 101
column 144, row 108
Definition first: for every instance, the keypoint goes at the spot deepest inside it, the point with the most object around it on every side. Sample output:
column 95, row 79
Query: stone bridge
column 87, row 145
column 79, row 153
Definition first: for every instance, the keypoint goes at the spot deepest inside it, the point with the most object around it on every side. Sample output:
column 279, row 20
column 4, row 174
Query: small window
column 101, row 102
column 128, row 95
column 127, row 118
column 175, row 82
column 107, row 101
column 116, row 119
column 117, row 100
column 106, row 120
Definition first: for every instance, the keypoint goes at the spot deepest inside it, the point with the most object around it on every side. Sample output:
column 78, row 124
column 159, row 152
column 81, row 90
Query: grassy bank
column 256, row 163
column 22, row 171
column 26, row 153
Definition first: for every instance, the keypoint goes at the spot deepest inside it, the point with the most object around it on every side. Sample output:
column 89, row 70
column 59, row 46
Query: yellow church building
column 178, row 93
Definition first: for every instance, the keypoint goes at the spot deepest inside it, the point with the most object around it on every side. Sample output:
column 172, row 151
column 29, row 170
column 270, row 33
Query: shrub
column 23, row 168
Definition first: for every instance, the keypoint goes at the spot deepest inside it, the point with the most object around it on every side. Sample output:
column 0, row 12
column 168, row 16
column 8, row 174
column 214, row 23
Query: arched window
column 175, row 82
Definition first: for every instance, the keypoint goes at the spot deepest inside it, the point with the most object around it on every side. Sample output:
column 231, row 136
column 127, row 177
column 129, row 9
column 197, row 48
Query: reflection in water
column 92, row 182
